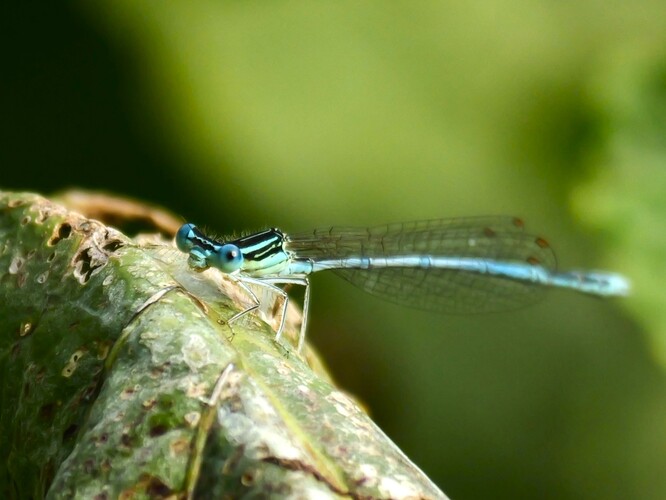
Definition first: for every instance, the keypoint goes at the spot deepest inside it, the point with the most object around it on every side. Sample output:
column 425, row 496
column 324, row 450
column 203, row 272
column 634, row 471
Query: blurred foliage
column 626, row 194
column 300, row 114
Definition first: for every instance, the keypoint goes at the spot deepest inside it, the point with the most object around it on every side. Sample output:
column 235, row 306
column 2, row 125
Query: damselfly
column 461, row 265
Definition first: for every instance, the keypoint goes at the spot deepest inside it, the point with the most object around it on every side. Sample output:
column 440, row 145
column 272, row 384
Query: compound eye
column 228, row 258
column 231, row 253
column 185, row 237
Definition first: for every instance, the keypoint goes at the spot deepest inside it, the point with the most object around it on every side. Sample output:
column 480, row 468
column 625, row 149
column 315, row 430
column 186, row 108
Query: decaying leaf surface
column 120, row 377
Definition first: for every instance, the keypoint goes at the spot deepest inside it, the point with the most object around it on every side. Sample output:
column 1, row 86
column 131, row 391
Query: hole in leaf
column 62, row 232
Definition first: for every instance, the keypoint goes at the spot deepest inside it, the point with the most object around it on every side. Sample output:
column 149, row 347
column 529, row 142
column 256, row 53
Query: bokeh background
column 242, row 115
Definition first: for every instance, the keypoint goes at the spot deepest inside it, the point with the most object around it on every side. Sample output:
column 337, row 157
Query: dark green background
column 241, row 115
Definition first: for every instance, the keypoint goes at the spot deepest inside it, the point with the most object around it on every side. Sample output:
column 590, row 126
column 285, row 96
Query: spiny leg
column 306, row 302
column 270, row 284
column 304, row 321
column 242, row 313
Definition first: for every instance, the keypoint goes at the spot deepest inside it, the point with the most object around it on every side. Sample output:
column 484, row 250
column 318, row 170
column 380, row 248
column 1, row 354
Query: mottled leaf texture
column 121, row 378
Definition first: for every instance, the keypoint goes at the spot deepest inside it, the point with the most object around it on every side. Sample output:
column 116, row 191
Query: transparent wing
column 446, row 290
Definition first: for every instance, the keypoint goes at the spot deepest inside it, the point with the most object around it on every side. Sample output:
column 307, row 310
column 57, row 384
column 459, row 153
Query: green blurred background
column 242, row 115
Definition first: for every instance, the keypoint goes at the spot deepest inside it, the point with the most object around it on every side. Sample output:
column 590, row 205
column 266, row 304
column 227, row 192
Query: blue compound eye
column 185, row 237
column 227, row 258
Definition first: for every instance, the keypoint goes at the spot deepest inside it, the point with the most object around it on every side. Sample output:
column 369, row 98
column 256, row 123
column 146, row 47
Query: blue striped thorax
column 258, row 254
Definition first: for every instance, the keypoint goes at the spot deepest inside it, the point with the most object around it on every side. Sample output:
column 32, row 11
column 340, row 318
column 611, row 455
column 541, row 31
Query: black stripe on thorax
column 202, row 241
column 261, row 245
